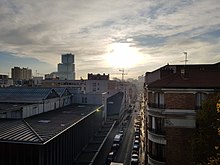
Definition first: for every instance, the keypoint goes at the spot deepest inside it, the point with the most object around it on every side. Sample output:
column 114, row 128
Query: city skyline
column 143, row 34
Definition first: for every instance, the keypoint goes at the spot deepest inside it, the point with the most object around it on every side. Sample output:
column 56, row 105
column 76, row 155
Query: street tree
column 206, row 139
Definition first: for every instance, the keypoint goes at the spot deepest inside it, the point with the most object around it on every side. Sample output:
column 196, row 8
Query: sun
column 123, row 55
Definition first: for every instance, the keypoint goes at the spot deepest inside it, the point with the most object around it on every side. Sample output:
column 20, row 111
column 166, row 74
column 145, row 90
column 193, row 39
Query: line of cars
column 115, row 146
column 136, row 142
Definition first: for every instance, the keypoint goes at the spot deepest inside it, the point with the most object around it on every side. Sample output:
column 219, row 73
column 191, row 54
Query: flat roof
column 7, row 107
column 44, row 127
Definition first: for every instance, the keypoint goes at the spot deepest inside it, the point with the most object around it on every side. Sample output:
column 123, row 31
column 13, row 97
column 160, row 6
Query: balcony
column 156, row 160
column 156, row 138
column 157, row 131
column 198, row 107
column 155, row 105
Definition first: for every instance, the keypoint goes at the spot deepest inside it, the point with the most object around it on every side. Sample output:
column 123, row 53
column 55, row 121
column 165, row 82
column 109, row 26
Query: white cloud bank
column 160, row 30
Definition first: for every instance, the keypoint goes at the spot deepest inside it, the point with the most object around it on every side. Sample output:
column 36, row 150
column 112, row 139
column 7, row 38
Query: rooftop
column 192, row 79
column 26, row 95
column 6, row 107
column 42, row 128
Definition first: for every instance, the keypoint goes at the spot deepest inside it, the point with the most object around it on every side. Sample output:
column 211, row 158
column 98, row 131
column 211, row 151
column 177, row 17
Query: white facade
column 37, row 81
column 97, row 86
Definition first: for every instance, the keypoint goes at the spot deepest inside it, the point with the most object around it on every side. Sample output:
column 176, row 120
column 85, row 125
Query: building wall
column 32, row 109
column 150, row 97
column 51, row 104
column 19, row 154
column 98, row 77
column 97, row 86
column 64, row 101
column 180, row 100
column 177, row 109
column 178, row 150
column 87, row 98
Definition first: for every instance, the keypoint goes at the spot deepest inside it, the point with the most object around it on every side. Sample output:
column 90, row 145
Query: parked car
column 134, row 159
column 121, row 132
column 115, row 147
column 110, row 157
column 135, row 152
column 137, row 132
column 137, row 137
column 117, row 139
column 136, row 145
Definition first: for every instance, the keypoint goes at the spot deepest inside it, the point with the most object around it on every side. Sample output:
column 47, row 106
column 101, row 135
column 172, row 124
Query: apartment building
column 20, row 74
column 174, row 93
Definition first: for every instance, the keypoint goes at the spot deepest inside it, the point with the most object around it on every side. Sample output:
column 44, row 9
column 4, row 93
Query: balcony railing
column 155, row 105
column 157, row 131
column 158, row 158
column 198, row 107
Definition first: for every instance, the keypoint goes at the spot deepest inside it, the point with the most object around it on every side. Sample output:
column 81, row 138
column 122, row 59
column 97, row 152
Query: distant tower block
column 66, row 69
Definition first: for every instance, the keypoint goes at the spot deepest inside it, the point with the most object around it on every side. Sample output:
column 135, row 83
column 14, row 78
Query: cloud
column 159, row 29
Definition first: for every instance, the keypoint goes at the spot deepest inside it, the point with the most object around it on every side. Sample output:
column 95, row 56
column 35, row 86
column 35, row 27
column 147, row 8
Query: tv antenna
column 186, row 58
column 122, row 74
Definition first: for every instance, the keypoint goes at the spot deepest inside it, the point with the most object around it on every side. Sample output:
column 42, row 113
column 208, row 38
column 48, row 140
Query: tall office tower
column 66, row 69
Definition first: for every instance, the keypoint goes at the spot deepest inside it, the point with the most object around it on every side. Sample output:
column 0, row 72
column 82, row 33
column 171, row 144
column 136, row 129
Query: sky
column 108, row 35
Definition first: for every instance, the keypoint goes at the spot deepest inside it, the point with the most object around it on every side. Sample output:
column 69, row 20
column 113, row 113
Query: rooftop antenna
column 186, row 59
column 122, row 74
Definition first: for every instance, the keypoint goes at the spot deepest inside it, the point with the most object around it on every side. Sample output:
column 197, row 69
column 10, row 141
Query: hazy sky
column 107, row 35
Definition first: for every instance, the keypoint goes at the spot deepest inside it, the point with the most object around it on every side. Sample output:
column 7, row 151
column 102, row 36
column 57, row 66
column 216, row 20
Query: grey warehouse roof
column 62, row 91
column 26, row 95
column 42, row 128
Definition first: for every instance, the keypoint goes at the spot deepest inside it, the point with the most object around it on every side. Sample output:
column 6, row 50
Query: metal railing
column 156, row 105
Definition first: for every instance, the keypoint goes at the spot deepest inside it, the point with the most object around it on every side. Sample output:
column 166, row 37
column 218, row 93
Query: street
column 127, row 127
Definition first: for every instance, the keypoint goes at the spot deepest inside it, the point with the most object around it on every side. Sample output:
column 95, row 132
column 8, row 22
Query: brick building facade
column 172, row 102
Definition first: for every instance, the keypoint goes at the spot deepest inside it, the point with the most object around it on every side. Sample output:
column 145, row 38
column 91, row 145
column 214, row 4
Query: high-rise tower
column 66, row 69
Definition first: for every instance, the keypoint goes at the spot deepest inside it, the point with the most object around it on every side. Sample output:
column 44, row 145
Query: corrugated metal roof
column 17, row 130
column 43, row 127
column 24, row 94
column 61, row 91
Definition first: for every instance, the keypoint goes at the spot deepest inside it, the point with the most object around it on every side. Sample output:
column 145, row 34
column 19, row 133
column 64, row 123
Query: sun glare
column 122, row 55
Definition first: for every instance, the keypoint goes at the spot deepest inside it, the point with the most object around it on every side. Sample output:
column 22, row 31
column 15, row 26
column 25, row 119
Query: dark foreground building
column 53, row 138
column 174, row 94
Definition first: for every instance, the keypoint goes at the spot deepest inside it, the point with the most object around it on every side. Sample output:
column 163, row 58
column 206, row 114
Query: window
column 199, row 99
column 84, row 99
column 159, row 100
column 156, row 125
column 157, row 151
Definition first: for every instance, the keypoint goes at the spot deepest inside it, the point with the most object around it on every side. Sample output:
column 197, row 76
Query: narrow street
column 124, row 152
